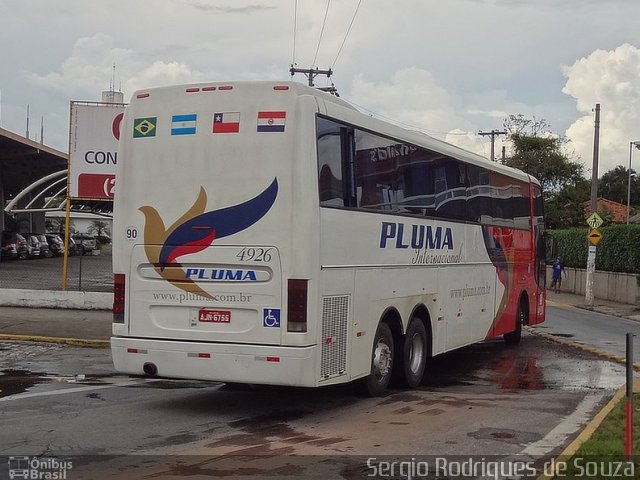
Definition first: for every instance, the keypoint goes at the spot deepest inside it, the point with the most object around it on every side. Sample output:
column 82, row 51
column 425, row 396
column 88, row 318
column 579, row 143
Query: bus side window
column 330, row 168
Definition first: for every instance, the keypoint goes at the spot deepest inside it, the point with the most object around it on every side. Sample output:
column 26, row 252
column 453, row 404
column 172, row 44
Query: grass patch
column 602, row 456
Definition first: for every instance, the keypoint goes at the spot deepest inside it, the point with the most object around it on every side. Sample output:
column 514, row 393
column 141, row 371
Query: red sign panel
column 214, row 316
column 96, row 185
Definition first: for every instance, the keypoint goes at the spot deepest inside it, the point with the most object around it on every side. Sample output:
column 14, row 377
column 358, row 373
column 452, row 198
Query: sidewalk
column 89, row 327
column 607, row 307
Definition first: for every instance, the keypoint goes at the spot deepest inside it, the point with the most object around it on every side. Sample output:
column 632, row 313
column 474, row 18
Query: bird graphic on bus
column 196, row 230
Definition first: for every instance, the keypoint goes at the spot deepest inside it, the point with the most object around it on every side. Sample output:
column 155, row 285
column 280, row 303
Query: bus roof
column 379, row 126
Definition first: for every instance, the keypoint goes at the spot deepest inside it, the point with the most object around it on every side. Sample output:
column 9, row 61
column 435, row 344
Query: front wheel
column 513, row 338
column 381, row 363
column 414, row 355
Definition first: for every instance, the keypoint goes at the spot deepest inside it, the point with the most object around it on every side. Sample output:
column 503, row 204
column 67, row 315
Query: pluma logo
column 195, row 230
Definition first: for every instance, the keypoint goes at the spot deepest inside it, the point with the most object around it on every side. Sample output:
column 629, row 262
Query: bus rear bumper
column 259, row 364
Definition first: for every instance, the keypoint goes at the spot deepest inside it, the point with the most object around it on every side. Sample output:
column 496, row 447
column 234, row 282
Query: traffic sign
column 595, row 220
column 594, row 236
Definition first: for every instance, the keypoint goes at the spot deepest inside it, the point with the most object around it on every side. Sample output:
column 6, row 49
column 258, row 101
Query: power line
column 295, row 28
column 347, row 34
column 321, row 32
column 403, row 124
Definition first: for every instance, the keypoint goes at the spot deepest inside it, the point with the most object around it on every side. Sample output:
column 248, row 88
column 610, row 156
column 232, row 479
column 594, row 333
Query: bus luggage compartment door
column 220, row 294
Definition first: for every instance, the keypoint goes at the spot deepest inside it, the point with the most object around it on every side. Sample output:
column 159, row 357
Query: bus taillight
column 118, row 298
column 297, row 305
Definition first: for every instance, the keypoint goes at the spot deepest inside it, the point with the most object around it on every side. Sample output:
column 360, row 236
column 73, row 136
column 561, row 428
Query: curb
column 595, row 422
column 586, row 432
column 77, row 342
column 581, row 346
column 69, row 299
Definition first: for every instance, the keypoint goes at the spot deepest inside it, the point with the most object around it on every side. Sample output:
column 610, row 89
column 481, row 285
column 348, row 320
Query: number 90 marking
column 131, row 234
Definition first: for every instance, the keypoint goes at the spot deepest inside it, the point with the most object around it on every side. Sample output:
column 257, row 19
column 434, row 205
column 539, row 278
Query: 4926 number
column 254, row 254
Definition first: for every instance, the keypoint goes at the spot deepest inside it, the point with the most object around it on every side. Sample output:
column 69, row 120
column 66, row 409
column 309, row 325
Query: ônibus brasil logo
column 195, row 230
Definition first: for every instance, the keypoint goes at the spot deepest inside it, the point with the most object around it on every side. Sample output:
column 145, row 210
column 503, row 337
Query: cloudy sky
column 446, row 67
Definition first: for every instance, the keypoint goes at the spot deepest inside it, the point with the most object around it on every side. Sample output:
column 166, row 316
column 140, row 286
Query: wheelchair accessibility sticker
column 271, row 317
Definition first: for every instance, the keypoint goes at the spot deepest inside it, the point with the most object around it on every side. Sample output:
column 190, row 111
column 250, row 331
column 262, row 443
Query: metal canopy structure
column 23, row 162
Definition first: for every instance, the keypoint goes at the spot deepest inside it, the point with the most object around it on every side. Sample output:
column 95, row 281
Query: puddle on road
column 161, row 384
column 533, row 365
column 505, row 435
column 14, row 381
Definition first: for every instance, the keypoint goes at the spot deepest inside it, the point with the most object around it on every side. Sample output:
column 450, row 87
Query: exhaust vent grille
column 335, row 315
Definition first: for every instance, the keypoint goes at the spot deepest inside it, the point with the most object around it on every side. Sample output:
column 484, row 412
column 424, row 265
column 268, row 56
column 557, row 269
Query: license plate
column 214, row 316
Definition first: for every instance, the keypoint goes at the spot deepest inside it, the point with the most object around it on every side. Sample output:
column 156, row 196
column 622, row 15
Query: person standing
column 556, row 277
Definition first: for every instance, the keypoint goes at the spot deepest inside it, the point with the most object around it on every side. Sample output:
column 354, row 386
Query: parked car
column 45, row 251
column 8, row 250
column 56, row 245
column 84, row 243
column 73, row 247
column 11, row 242
column 33, row 245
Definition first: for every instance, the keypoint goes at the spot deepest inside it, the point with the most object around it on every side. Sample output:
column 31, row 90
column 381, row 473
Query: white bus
column 269, row 233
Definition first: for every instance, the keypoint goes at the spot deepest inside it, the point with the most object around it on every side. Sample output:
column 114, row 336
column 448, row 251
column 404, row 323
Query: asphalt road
column 485, row 400
column 605, row 332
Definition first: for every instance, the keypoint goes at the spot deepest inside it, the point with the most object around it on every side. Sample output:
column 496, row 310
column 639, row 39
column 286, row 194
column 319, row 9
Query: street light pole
column 631, row 145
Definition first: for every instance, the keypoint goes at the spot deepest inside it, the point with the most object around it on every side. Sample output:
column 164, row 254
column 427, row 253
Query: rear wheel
column 513, row 338
column 414, row 355
column 382, row 357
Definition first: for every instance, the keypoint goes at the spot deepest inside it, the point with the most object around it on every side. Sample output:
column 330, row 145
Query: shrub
column 618, row 251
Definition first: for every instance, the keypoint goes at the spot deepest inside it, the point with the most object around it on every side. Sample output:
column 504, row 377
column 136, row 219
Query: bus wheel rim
column 417, row 353
column 382, row 359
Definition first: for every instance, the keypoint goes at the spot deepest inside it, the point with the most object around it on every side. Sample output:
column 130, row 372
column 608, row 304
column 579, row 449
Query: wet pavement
column 604, row 332
column 486, row 399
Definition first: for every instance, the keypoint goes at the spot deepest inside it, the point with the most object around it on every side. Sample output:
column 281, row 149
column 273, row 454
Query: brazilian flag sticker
column 144, row 127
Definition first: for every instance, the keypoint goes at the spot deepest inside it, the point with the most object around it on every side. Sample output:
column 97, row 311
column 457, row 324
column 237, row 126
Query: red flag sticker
column 226, row 122
column 271, row 121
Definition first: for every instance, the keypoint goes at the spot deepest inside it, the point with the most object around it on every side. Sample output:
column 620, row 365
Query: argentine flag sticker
column 184, row 124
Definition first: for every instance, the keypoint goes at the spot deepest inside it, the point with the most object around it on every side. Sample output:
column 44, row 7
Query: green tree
column 543, row 158
column 539, row 152
column 567, row 207
column 614, row 185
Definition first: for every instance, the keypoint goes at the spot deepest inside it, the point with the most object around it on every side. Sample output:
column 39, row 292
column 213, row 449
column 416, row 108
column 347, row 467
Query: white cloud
column 411, row 96
column 88, row 70
column 163, row 73
column 413, row 99
column 611, row 78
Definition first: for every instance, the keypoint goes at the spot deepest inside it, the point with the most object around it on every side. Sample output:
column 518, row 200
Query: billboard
column 94, row 132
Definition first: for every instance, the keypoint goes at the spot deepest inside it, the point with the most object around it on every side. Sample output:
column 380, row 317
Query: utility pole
column 493, row 134
column 591, row 258
column 312, row 73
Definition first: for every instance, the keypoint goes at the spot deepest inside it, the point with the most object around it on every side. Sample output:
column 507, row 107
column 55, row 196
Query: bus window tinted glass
column 380, row 184
column 330, row 166
column 449, row 180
